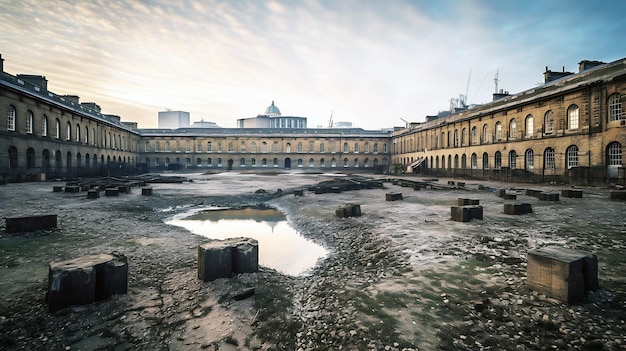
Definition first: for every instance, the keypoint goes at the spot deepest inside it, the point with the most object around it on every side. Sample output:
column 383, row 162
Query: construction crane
column 330, row 120
column 406, row 123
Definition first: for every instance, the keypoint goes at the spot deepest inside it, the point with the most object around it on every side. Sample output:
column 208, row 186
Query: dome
column 272, row 110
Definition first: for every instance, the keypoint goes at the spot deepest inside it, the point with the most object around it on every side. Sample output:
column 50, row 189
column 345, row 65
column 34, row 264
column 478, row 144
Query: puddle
column 280, row 246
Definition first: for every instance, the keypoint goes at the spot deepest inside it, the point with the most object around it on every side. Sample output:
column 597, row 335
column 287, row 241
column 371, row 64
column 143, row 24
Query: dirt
column 403, row 276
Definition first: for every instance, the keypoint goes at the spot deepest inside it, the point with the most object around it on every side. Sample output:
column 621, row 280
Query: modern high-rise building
column 173, row 119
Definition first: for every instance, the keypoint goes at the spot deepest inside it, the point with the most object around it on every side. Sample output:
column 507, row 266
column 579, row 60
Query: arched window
column 322, row 163
column 572, row 117
column 311, row 162
column 321, row 147
column 12, row 157
column 300, row 163
column 529, row 125
column 474, row 161
column 615, row 108
column 44, row 126
column 572, row 156
column 463, row 161
column 356, row 147
column 485, row 134
column 449, row 161
column 30, row 121
column 275, row 162
column 219, row 149
column 242, row 162
column 456, row 138
column 456, row 161
column 345, row 162
column 86, row 141
column 375, row 148
column 242, row 146
column 219, row 162
column 253, row 147
column 346, row 148
column 78, row 133
column 356, row 162
column 253, row 162
column 485, row 161
column 512, row 159
column 230, row 146
column 443, row 162
column 11, row 118
column 548, row 159
column 366, row 149
column 497, row 160
column 614, row 154
column 264, row 147
column 498, row 131
column 57, row 129
column 385, row 148
column 548, row 122
column 68, row 131
column 30, row 158
column 209, row 162
column 474, row 137
column 464, row 137
column 530, row 159
column 198, row 162
column 209, row 147
column 167, row 146
column 288, row 147
column 157, row 146
column 299, row 146
column 366, row 162
column 512, row 129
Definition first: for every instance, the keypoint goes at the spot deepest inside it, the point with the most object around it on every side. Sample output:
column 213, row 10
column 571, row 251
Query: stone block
column 565, row 274
column 450, row 182
column 465, row 202
column 617, row 194
column 123, row 189
column 84, row 280
column 30, row 223
column 466, row 213
column 549, row 196
column 533, row 193
column 460, row 184
column 57, row 189
column 298, row 192
column 501, row 192
column 111, row 192
column 84, row 187
column 72, row 189
column 223, row 258
column 517, row 209
column 572, row 193
column 146, row 191
column 93, row 194
column 510, row 196
column 393, row 196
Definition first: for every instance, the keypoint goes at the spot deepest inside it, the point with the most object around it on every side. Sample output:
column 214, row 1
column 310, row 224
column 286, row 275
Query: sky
column 373, row 63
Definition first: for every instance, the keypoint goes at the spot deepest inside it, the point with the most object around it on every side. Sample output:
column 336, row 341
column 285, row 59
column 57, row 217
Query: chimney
column 586, row 64
column 72, row 98
column 550, row 76
column 500, row 95
column 39, row 81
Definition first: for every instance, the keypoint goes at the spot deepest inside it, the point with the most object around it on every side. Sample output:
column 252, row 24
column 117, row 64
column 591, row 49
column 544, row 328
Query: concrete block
column 348, row 211
column 517, row 209
column 72, row 189
column 245, row 255
column 123, row 189
column 460, row 184
column 565, row 274
column 549, row 196
column 84, row 280
column 501, row 192
column 466, row 213
column 510, row 196
column 84, row 187
column 393, row 196
column 298, row 192
column 30, row 223
column 146, row 191
column 450, row 182
column 111, row 192
column 617, row 194
column 465, row 202
column 533, row 193
column 57, row 189
column 93, row 194
column 572, row 193
column 221, row 258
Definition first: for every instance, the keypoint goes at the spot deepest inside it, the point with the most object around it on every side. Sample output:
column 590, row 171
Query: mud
column 403, row 276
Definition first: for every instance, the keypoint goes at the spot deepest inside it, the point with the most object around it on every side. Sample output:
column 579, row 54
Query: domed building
column 272, row 118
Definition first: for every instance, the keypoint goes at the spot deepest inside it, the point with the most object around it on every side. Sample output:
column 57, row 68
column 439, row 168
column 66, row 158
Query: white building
column 173, row 119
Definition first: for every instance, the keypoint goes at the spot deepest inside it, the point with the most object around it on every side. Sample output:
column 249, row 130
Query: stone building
column 571, row 129
column 272, row 118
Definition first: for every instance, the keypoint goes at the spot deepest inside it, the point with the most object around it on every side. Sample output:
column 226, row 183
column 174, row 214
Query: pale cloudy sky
column 368, row 62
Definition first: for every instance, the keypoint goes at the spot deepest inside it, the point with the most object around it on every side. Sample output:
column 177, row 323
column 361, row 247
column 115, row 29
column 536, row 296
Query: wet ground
column 403, row 276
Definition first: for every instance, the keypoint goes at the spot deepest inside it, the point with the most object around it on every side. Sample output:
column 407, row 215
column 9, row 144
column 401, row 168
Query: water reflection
column 280, row 246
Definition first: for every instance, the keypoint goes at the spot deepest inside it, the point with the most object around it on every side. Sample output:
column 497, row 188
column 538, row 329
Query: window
column 321, row 147
column 614, row 153
column 275, row 148
column 375, row 148
column 299, row 146
column 464, row 137
column 146, row 147
column 300, row 163
column 530, row 159
column 264, row 147
column 385, row 148
column 198, row 162
column 199, row 146
column 167, row 146
column 311, row 146
column 512, row 159
column 253, row 162
column 572, row 117
column 485, row 161
column 512, row 129
column 529, row 125
column 497, row 160
column 474, row 137
column 157, row 146
column 356, row 147
column 366, row 149
column 253, row 147
column 616, row 112
column 549, row 161
column 219, row 149
column 11, row 118
column 242, row 162
column 29, row 122
column 208, row 147
column 230, row 146
column 345, row 162
column 44, row 126
column 322, row 162
column 86, row 135
column 463, row 161
column 572, row 156
column 77, row 133
column 288, row 147
column 346, row 148
column 549, row 122
column 242, row 147
column 209, row 162
column 498, row 131
column 68, row 131
column 456, row 138
column 311, row 163
column 57, row 129
column 474, row 160
column 356, row 162
column 485, row 134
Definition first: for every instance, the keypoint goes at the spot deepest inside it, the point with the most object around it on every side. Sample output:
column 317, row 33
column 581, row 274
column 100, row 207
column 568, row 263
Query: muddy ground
column 403, row 276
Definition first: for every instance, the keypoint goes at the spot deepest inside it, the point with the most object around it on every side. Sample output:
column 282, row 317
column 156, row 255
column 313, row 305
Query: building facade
column 272, row 118
column 572, row 129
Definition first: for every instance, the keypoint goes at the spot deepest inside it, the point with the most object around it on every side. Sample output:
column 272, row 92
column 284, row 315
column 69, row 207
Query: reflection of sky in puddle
column 280, row 246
